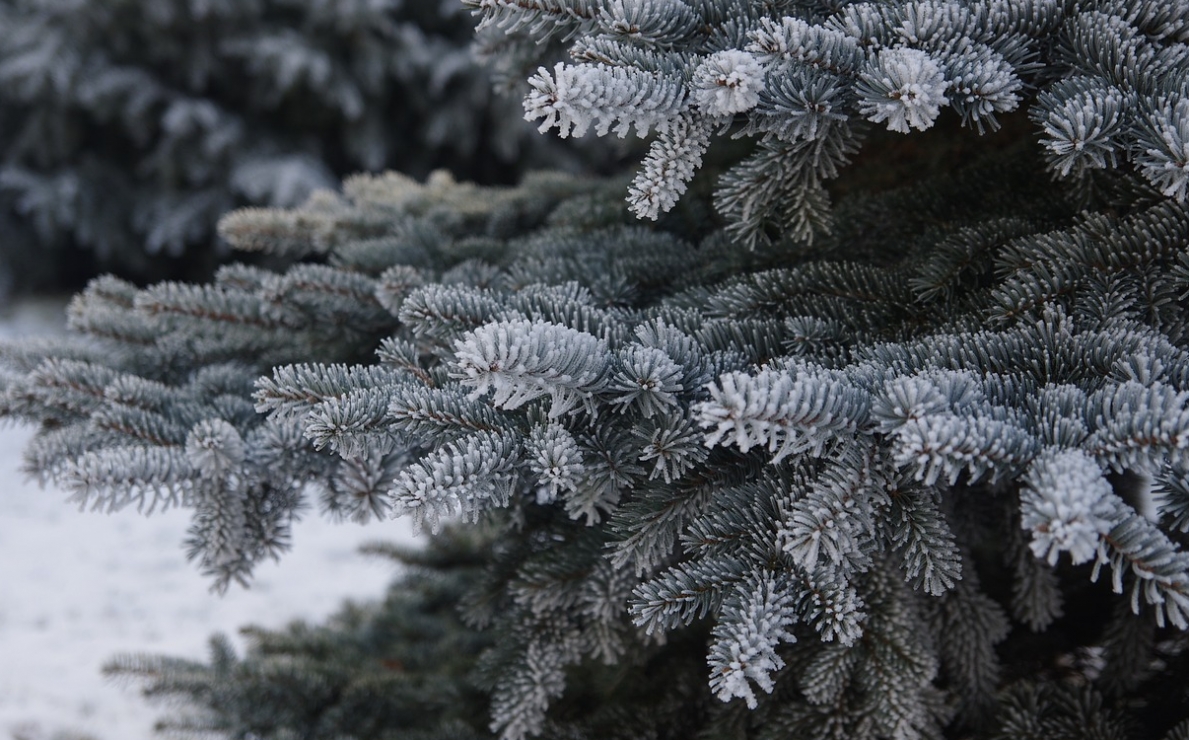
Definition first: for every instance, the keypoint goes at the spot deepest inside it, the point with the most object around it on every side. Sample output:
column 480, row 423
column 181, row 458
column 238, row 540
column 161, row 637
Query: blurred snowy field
column 78, row 587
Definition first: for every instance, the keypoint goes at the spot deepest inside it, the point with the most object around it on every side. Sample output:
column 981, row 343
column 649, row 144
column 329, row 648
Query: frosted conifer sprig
column 1142, row 427
column 787, row 414
column 573, row 99
column 673, row 446
column 833, row 525
column 660, row 22
column 727, row 82
column 1082, row 120
column 145, row 477
column 945, row 425
column 646, row 379
column 1162, row 152
column 556, row 460
column 816, row 46
column 1171, row 495
column 154, row 403
column 1145, row 562
column 982, row 86
column 293, row 389
column 538, row 17
column 777, row 71
column 359, row 490
column 214, row 448
column 464, row 477
column 518, row 361
column 754, row 622
column 670, row 164
column 905, row 88
column 1065, row 505
column 931, row 558
column 945, row 446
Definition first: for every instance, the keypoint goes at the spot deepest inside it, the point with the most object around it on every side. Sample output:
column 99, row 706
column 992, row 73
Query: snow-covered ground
column 78, row 587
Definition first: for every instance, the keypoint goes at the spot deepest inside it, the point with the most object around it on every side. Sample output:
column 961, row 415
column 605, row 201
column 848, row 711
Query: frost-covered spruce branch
column 740, row 478
column 153, row 403
column 1104, row 81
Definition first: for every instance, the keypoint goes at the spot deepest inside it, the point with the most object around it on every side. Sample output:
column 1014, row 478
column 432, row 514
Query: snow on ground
column 78, row 587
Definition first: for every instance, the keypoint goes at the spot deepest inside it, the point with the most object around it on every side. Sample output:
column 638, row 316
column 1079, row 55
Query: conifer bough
column 1104, row 81
column 924, row 479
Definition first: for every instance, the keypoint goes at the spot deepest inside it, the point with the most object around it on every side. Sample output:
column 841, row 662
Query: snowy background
column 78, row 587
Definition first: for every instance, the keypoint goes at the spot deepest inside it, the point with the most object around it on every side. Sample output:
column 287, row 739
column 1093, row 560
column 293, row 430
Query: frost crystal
column 904, row 87
column 728, row 82
column 1066, row 504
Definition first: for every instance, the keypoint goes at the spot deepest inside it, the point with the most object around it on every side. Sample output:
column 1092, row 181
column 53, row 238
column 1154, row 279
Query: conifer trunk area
column 857, row 408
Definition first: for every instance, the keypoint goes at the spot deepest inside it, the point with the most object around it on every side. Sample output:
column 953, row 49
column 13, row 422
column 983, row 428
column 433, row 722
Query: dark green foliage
column 1060, row 712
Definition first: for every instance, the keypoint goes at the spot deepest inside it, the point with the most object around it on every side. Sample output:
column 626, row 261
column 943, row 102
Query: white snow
column 77, row 588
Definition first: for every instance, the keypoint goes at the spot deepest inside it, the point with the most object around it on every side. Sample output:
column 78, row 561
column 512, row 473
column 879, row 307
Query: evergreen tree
column 911, row 465
column 401, row 663
column 127, row 128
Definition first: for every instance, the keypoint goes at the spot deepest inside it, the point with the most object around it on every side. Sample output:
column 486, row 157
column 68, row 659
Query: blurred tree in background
column 127, row 128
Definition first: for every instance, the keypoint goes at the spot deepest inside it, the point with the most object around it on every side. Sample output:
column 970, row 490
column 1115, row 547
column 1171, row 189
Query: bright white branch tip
column 904, row 87
column 1065, row 503
column 727, row 83
column 555, row 459
column 214, row 447
column 671, row 163
column 520, row 360
column 1163, row 156
column 575, row 97
column 753, row 624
